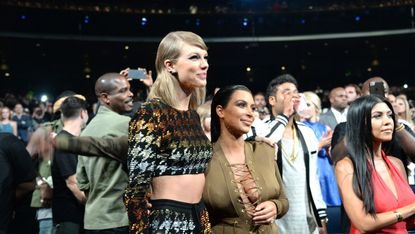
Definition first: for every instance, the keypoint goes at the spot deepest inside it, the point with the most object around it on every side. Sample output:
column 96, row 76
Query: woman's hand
column 265, row 213
column 266, row 140
column 325, row 140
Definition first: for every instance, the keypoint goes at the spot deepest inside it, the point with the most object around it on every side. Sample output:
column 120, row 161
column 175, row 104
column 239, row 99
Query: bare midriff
column 184, row 188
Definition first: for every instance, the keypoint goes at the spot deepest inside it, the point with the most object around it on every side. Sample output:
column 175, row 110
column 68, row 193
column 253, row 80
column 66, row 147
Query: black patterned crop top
column 161, row 141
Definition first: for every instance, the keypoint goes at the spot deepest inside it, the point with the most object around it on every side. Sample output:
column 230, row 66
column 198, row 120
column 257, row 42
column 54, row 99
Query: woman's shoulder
column 259, row 145
column 397, row 163
column 261, row 148
column 344, row 165
column 153, row 103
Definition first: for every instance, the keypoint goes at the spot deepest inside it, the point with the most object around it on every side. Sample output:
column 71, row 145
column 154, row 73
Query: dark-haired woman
column 243, row 190
column 373, row 186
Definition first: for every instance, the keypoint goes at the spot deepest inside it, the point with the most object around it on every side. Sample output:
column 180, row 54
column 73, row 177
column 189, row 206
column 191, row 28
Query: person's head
column 204, row 114
column 6, row 114
column 370, row 122
column 40, row 143
column 337, row 98
column 314, row 105
column 352, row 92
column 259, row 99
column 73, row 108
column 181, row 64
column 392, row 99
column 62, row 96
column 368, row 118
column 278, row 89
column 18, row 109
column 113, row 91
column 232, row 112
column 402, row 108
column 367, row 83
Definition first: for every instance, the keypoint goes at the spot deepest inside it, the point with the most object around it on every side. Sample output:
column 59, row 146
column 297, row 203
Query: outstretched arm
column 113, row 147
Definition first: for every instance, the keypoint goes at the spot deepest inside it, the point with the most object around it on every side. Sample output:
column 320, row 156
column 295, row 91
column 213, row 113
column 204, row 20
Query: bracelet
column 325, row 220
column 398, row 215
column 399, row 128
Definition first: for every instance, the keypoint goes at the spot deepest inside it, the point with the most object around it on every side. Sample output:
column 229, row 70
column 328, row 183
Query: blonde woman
column 403, row 111
column 204, row 114
column 323, row 133
column 168, row 150
column 6, row 122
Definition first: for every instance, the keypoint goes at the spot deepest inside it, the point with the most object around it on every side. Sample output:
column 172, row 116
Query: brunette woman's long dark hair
column 221, row 98
column 359, row 144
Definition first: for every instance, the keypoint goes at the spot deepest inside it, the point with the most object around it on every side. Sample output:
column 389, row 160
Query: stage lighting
column 23, row 17
column 302, row 21
column 43, row 98
column 405, row 86
column 86, row 19
column 357, row 18
column 245, row 22
column 197, row 22
column 143, row 21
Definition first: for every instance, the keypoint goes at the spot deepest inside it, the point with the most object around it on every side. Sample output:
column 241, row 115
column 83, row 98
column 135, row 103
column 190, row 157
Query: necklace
column 294, row 152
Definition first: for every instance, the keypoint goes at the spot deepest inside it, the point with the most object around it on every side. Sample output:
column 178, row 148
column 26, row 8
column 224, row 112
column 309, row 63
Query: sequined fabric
column 162, row 141
column 176, row 217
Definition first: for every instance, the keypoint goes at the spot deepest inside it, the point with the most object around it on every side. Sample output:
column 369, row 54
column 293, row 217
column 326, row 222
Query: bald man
column 372, row 81
column 338, row 110
column 101, row 178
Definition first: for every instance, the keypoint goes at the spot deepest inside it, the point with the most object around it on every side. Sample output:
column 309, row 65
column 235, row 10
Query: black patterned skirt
column 168, row 216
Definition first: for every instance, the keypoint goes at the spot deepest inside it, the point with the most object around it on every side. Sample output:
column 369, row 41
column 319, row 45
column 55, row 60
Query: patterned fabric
column 177, row 217
column 162, row 141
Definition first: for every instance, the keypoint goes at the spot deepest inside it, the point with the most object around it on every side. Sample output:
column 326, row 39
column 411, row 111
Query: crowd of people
column 272, row 162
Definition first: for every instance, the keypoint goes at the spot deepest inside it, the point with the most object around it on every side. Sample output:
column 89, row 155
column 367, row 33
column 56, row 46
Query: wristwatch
column 325, row 220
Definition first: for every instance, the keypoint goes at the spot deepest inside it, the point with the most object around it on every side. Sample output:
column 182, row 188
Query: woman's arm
column 275, row 208
column 363, row 221
column 281, row 202
column 144, row 140
column 113, row 147
column 406, row 139
column 14, row 126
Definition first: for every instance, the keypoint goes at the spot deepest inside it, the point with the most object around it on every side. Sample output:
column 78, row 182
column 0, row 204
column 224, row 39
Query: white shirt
column 340, row 116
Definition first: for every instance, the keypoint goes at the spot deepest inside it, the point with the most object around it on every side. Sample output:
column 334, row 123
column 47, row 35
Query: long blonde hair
column 40, row 144
column 166, row 85
column 315, row 99
column 1, row 113
column 407, row 115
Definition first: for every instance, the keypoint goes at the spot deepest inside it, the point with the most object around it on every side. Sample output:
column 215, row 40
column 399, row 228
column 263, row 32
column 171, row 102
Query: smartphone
column 377, row 88
column 302, row 109
column 136, row 74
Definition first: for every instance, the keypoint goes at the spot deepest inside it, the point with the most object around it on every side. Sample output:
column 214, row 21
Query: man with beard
column 103, row 179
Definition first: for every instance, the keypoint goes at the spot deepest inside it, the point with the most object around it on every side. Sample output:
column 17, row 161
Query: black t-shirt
column 65, row 206
column 16, row 167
